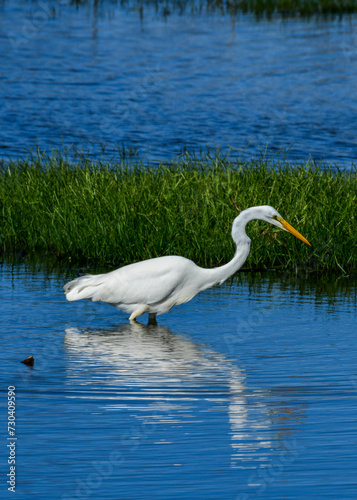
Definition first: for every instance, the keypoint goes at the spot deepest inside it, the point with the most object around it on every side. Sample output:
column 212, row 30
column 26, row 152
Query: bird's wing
column 148, row 282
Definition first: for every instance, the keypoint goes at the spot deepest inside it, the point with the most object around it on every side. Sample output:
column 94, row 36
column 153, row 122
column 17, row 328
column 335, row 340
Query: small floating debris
column 29, row 361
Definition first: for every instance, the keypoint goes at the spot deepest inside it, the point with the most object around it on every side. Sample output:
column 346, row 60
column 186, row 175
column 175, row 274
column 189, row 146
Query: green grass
column 121, row 212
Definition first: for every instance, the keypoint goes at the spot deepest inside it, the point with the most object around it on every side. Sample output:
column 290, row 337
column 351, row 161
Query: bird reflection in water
column 159, row 376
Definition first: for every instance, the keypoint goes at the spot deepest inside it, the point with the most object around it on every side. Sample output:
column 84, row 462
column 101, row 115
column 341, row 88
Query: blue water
column 248, row 391
column 101, row 76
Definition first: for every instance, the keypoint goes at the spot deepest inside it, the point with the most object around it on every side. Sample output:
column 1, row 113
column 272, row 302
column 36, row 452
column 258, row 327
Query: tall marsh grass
column 120, row 212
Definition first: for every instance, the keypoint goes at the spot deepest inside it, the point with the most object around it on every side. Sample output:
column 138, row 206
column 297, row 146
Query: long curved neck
column 240, row 238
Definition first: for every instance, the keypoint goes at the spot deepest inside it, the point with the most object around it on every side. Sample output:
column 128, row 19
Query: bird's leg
column 138, row 312
column 152, row 319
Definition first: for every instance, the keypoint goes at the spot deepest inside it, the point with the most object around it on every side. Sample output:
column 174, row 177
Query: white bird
column 154, row 286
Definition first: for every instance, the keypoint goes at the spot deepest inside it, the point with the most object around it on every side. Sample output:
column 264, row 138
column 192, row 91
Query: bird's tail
column 85, row 287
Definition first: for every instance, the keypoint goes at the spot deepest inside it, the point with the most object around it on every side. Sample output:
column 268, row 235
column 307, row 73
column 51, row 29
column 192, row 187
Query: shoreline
column 114, row 213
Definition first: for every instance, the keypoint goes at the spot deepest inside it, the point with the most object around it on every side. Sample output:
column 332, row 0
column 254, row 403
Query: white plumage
column 156, row 285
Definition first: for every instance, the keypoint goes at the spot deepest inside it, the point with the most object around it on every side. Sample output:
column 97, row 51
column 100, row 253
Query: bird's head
column 270, row 215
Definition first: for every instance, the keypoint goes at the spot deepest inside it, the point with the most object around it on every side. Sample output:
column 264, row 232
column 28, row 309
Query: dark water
column 99, row 76
column 249, row 391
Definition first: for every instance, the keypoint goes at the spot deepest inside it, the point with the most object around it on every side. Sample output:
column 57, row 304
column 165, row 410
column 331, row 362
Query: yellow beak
column 291, row 230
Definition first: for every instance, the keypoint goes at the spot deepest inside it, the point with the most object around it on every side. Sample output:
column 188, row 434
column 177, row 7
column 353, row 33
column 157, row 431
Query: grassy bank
column 117, row 213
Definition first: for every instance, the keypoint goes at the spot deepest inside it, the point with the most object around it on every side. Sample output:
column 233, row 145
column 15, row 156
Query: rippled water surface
column 248, row 391
column 101, row 75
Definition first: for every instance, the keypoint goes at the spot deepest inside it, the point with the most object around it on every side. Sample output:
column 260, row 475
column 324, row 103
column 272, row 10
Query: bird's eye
column 275, row 217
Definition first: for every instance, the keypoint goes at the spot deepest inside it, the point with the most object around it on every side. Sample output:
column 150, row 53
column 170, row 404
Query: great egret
column 154, row 286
